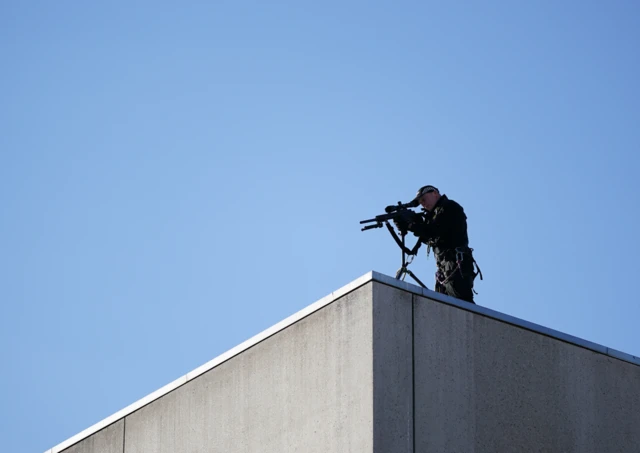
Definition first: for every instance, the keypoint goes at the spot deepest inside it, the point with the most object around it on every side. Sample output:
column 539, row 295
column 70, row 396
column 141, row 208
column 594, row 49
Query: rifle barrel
column 369, row 227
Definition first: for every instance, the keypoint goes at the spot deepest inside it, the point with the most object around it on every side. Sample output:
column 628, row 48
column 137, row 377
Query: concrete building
column 388, row 367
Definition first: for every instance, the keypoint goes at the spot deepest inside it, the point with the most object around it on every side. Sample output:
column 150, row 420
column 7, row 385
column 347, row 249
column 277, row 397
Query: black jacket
column 444, row 227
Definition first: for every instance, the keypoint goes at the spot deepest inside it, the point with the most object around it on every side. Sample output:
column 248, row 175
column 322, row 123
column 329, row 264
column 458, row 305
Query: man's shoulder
column 449, row 203
column 452, row 207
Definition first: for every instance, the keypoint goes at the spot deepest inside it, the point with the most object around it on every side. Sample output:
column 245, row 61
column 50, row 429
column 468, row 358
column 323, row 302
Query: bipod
column 405, row 269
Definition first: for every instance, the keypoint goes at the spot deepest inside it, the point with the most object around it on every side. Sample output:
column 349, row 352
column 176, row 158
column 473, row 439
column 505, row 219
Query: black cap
column 425, row 189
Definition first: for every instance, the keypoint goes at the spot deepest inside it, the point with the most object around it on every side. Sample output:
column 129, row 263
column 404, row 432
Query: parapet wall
column 484, row 385
column 384, row 366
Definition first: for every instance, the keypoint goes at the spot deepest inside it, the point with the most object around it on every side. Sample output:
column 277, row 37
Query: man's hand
column 406, row 221
column 401, row 225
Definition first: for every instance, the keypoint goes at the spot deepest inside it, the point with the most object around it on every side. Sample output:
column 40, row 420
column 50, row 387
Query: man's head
column 427, row 196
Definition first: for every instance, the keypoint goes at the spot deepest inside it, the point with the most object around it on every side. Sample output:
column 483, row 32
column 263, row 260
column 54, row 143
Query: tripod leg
column 416, row 278
column 403, row 270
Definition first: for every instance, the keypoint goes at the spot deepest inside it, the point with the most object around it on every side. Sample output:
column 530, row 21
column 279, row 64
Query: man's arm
column 451, row 217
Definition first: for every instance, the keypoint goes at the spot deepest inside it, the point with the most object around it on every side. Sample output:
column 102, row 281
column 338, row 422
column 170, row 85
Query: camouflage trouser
column 456, row 281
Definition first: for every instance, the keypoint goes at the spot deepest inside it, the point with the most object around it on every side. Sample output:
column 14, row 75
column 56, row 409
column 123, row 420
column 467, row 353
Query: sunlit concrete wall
column 307, row 388
column 383, row 366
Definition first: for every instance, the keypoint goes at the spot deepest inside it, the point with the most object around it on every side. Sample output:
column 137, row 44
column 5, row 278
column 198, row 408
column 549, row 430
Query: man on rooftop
column 443, row 229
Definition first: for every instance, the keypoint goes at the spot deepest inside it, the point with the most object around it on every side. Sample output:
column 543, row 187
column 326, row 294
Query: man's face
column 429, row 200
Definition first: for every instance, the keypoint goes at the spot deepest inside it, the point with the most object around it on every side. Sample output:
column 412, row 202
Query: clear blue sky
column 177, row 177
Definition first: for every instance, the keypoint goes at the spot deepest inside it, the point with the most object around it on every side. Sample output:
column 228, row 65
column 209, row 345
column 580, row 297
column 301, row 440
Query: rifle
column 393, row 212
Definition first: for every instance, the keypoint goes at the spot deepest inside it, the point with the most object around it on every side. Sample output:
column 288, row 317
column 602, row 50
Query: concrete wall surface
column 486, row 386
column 305, row 389
column 107, row 440
column 392, row 370
column 383, row 366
